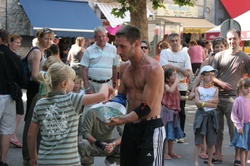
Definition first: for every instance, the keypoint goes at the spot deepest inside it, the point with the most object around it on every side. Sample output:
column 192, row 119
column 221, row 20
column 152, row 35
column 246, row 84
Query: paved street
column 186, row 149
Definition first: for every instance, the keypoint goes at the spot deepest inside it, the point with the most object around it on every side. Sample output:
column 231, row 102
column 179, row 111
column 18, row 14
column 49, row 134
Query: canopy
column 245, row 28
column 65, row 18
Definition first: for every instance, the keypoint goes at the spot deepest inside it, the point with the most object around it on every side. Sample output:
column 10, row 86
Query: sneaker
column 3, row 164
column 180, row 140
column 108, row 163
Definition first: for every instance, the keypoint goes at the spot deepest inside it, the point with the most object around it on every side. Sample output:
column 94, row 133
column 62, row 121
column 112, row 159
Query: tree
column 138, row 11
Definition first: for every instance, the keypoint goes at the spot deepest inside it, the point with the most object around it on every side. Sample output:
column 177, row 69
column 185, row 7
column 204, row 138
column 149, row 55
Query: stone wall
column 14, row 20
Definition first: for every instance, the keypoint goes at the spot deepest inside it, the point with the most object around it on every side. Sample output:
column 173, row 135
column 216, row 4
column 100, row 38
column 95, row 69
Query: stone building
column 14, row 18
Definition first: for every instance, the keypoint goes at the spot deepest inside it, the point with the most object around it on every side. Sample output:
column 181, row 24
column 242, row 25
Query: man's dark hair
column 132, row 33
column 5, row 36
column 233, row 30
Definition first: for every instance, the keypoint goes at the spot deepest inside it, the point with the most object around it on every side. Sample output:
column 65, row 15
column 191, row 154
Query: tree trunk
column 138, row 16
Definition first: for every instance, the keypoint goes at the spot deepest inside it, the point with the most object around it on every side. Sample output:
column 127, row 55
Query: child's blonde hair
column 50, row 61
column 57, row 73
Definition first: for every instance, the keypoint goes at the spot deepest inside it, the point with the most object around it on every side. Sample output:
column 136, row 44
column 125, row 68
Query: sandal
column 203, row 156
column 167, row 157
column 237, row 163
column 16, row 143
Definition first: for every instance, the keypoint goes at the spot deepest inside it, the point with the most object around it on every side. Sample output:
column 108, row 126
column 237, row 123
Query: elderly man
column 99, row 63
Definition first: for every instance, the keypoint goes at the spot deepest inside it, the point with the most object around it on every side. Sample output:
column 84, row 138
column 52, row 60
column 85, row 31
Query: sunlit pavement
column 185, row 150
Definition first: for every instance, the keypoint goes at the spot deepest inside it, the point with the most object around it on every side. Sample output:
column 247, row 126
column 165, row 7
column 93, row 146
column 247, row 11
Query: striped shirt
column 99, row 61
column 57, row 116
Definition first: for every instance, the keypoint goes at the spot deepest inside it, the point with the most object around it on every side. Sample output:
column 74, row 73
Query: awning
column 106, row 9
column 234, row 8
column 245, row 29
column 66, row 18
column 190, row 25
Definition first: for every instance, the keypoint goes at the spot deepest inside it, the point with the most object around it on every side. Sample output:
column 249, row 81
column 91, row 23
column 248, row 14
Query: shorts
column 211, row 135
column 142, row 143
column 7, row 115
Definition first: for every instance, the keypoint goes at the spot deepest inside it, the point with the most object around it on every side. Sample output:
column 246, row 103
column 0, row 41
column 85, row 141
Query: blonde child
column 240, row 116
column 56, row 116
column 205, row 121
column 78, row 88
column 169, row 113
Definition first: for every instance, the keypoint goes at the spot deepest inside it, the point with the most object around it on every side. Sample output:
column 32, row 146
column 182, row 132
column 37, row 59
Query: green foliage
column 126, row 6
column 184, row 2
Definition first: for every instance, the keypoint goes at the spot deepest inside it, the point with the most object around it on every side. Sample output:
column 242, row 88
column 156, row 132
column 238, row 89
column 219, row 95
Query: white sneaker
column 108, row 163
column 180, row 140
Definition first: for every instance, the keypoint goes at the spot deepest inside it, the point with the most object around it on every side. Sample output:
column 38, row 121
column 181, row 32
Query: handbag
column 15, row 91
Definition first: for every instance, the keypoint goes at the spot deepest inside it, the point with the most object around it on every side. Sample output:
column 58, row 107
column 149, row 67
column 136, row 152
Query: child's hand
column 198, row 103
column 177, row 80
column 240, row 131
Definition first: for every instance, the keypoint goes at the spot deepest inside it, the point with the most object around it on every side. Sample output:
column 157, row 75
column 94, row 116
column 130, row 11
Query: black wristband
column 100, row 144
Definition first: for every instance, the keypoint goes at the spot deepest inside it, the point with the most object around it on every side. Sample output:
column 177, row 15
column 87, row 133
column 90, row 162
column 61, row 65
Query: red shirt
column 171, row 100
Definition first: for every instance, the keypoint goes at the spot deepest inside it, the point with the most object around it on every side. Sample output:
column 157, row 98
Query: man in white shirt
column 180, row 61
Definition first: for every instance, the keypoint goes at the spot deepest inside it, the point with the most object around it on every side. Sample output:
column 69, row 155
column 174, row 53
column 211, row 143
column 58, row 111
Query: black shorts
column 142, row 144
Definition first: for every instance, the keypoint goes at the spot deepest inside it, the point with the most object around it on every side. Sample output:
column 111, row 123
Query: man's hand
column 185, row 72
column 225, row 85
column 109, row 148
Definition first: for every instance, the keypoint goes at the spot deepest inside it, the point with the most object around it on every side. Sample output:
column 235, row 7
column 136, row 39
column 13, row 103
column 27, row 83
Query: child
column 169, row 113
column 205, row 121
column 240, row 116
column 219, row 44
column 56, row 116
column 78, row 85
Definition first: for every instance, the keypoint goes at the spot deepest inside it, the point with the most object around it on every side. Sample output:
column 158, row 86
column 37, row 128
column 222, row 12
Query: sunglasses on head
column 219, row 39
column 144, row 47
column 46, row 30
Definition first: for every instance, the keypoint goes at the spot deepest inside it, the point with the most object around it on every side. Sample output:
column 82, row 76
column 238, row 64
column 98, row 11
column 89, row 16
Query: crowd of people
column 61, row 128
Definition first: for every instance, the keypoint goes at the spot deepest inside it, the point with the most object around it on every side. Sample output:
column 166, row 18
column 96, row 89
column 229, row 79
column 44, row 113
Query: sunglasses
column 44, row 31
column 219, row 39
column 143, row 47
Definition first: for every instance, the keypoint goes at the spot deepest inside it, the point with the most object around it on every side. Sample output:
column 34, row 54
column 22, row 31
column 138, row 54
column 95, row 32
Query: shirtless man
column 142, row 81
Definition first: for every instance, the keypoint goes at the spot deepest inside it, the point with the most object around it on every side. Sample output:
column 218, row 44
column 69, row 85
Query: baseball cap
column 208, row 68
column 55, row 36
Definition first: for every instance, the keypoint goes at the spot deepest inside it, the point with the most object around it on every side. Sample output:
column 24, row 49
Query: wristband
column 87, row 89
column 113, row 144
column 203, row 104
column 186, row 97
column 180, row 69
column 100, row 145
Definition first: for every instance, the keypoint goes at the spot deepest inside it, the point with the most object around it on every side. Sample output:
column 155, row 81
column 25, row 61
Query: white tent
column 243, row 21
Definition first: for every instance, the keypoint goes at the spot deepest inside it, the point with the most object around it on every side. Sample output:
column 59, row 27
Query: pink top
column 196, row 54
column 247, row 110
column 240, row 112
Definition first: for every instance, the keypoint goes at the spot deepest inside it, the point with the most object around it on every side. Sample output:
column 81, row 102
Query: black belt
column 100, row 81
